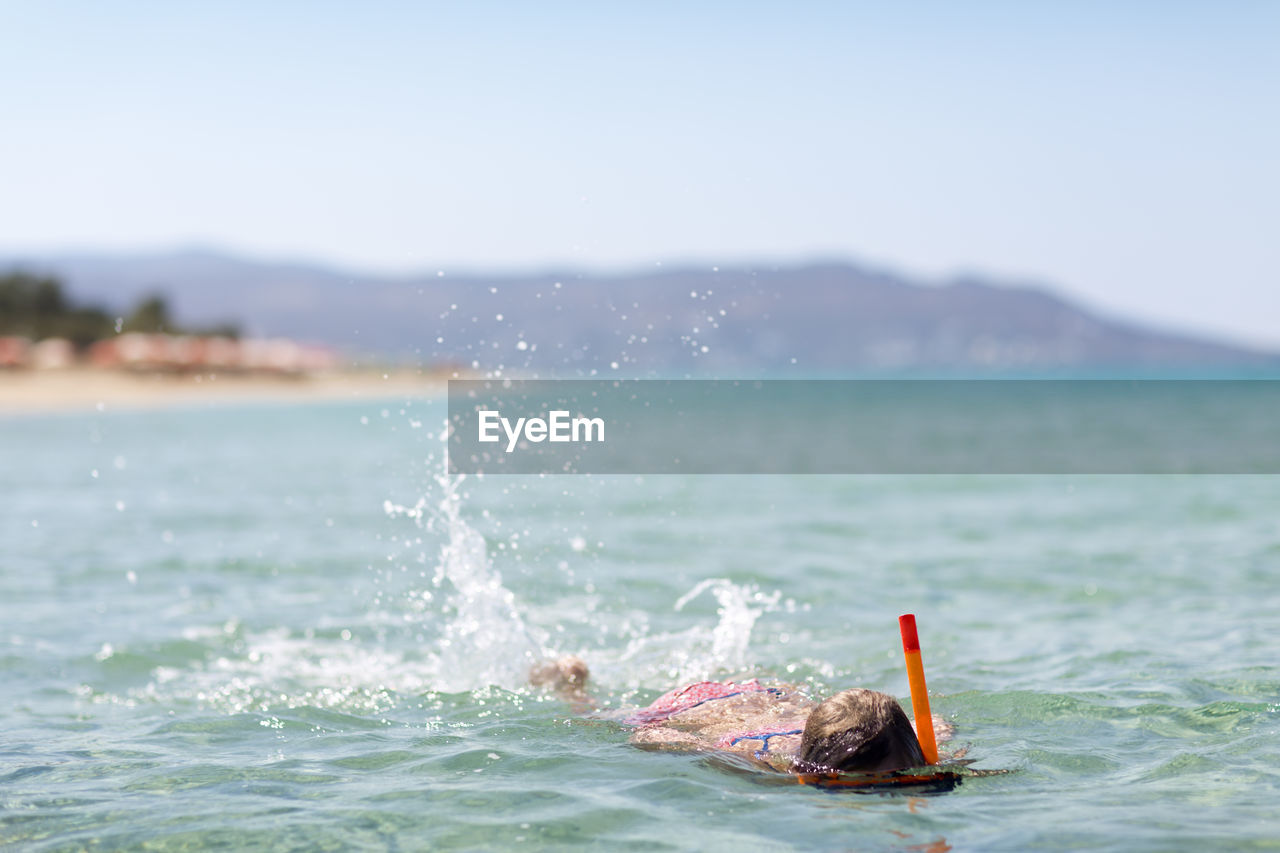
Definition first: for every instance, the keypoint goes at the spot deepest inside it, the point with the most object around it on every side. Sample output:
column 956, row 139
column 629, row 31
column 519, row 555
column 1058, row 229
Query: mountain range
column 817, row 318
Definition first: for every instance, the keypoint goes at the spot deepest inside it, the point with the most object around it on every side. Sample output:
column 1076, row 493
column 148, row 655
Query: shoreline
column 87, row 389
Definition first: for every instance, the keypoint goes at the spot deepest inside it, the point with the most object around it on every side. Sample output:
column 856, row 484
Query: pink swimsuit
column 692, row 696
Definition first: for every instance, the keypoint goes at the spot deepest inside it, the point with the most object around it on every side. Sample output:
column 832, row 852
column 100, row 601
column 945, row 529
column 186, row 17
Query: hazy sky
column 1125, row 153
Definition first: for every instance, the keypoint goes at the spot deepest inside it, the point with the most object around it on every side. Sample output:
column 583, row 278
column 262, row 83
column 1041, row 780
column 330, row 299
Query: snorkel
column 919, row 693
column 936, row 777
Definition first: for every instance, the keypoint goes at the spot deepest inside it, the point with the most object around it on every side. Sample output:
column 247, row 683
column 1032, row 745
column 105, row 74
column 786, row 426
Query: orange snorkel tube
column 919, row 693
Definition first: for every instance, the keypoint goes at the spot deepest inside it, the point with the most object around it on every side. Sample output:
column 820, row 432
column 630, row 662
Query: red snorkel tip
column 910, row 639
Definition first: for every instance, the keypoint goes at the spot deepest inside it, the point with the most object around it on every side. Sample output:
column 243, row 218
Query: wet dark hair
column 858, row 731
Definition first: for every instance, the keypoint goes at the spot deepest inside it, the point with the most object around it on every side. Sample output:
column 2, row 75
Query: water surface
column 276, row 627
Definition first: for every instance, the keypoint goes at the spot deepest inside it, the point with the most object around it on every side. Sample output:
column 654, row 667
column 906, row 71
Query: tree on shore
column 151, row 315
column 36, row 307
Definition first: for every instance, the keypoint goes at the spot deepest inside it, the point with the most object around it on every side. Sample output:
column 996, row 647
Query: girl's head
column 859, row 731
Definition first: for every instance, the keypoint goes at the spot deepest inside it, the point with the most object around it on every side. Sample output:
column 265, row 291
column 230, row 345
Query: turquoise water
column 275, row 627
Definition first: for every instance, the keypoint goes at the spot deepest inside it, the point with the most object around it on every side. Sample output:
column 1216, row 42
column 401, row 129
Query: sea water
column 282, row 627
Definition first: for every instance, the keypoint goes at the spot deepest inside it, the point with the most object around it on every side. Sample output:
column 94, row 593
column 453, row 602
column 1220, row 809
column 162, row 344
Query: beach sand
column 81, row 389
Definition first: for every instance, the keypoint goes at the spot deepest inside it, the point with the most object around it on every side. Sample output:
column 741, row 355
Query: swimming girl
column 855, row 731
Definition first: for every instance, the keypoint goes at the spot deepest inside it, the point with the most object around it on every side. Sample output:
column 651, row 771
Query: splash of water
column 486, row 640
column 739, row 609
column 662, row 660
column 469, row 632
column 475, row 638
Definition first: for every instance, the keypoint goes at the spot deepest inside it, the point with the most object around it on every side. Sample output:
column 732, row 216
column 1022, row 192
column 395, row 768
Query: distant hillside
column 823, row 318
